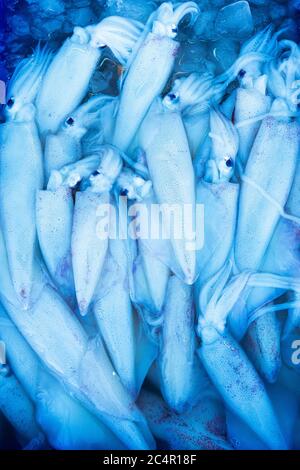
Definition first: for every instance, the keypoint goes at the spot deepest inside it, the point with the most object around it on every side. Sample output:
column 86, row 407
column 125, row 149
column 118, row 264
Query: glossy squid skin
column 54, row 218
column 136, row 97
column 21, row 160
column 87, row 246
column 115, row 316
column 177, row 345
column 221, row 201
column 164, row 141
column 92, row 204
column 249, row 103
column 54, row 103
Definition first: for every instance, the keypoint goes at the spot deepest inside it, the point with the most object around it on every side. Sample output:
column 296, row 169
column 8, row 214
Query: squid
column 265, row 188
column 149, row 67
column 22, row 161
column 191, row 96
column 54, row 219
column 223, row 358
column 87, row 245
column 151, row 274
column 114, row 313
column 164, row 141
column 177, row 345
column 219, row 194
column 65, row 147
column 66, row 82
column 196, row 93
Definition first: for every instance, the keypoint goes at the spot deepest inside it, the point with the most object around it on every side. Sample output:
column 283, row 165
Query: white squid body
column 249, row 104
column 262, row 345
column 54, row 217
column 177, row 345
column 220, row 202
column 60, row 150
column 65, row 84
column 21, row 162
column 66, row 81
column 114, row 314
column 141, row 87
column 269, row 172
column 197, row 127
column 163, row 138
column 19, row 411
column 66, row 423
column 150, row 273
column 88, row 248
column 157, row 275
column 59, row 340
column 149, row 70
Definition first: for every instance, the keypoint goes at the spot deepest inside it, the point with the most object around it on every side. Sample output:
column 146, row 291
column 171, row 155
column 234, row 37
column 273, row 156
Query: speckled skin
column 241, row 387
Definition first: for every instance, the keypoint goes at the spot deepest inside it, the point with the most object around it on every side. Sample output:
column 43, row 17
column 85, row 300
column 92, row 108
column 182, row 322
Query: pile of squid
column 139, row 343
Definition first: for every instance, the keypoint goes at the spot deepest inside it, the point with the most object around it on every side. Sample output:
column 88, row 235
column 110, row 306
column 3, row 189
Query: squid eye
column 242, row 73
column 70, row 121
column 172, row 96
column 229, row 163
column 124, row 192
column 174, row 29
column 10, row 102
column 95, row 173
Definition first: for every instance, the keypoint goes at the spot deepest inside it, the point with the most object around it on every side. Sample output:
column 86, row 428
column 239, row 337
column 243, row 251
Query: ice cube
column 235, row 21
